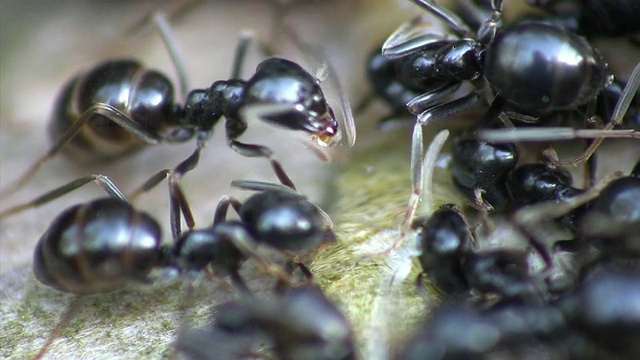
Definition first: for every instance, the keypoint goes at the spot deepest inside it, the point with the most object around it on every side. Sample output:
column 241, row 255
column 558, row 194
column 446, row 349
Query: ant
column 120, row 106
column 449, row 260
column 106, row 244
column 299, row 322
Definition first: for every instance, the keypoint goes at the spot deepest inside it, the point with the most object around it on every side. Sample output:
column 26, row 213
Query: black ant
column 106, row 244
column 299, row 323
column 126, row 106
column 449, row 260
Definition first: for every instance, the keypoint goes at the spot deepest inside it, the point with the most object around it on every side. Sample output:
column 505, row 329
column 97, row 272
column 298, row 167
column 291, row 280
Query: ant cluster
column 506, row 300
column 545, row 295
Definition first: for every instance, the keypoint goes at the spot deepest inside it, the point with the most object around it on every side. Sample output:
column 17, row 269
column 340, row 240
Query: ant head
column 326, row 126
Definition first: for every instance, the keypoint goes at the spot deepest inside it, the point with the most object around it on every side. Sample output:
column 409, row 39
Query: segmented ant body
column 120, row 106
column 436, row 64
column 300, row 323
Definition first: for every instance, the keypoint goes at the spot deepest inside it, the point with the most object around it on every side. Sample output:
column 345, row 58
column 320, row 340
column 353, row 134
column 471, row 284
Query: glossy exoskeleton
column 82, row 252
column 276, row 216
column 438, row 64
column 119, row 106
column 605, row 307
column 299, row 324
column 489, row 166
column 463, row 331
column 599, row 319
column 449, row 260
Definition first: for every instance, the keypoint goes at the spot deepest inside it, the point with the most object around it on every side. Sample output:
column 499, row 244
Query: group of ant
column 531, row 73
column 572, row 289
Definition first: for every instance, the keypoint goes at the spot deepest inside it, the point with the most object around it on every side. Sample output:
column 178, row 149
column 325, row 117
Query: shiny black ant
column 106, row 244
column 126, row 106
column 299, row 323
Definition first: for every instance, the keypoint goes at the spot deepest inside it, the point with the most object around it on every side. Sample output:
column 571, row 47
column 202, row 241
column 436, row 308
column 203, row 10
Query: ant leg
column 444, row 14
column 252, row 150
column 245, row 243
column 177, row 200
column 182, row 168
column 160, row 21
column 223, row 207
column 410, row 37
column 511, row 135
column 487, row 30
column 241, row 52
column 618, row 114
column 260, row 186
column 64, row 321
column 104, row 182
column 427, row 100
column 447, row 109
column 106, row 110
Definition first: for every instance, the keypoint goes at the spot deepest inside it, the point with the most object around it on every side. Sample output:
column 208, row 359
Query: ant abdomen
column 284, row 220
column 97, row 247
column 144, row 96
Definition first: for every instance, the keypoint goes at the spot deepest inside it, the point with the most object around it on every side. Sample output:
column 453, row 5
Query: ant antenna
column 104, row 182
